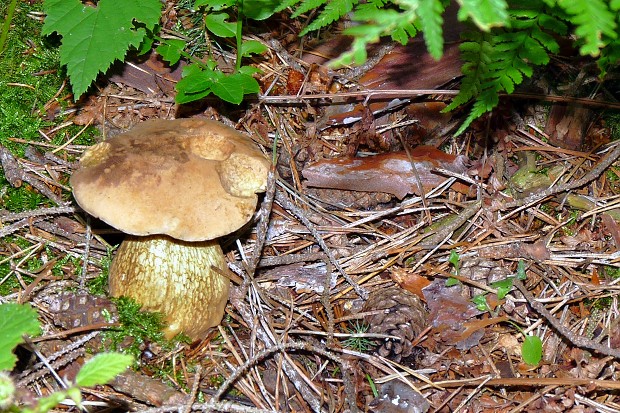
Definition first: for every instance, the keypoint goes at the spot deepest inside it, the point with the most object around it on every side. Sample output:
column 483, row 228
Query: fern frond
column 431, row 21
column 307, row 5
column 498, row 61
column 486, row 14
column 593, row 20
column 286, row 4
column 334, row 10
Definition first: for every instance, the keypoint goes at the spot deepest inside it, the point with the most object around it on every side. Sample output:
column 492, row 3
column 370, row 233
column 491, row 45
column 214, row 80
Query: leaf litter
column 286, row 344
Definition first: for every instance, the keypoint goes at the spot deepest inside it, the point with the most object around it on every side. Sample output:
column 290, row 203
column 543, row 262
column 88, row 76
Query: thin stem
column 4, row 34
column 238, row 36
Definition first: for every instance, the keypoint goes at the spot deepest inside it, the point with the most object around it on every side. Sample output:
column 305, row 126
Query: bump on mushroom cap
column 191, row 179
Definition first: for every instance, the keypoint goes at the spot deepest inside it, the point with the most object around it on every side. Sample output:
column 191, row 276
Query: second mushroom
column 174, row 186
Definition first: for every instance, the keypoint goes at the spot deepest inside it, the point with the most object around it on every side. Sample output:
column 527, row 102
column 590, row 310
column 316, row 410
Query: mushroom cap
column 191, row 179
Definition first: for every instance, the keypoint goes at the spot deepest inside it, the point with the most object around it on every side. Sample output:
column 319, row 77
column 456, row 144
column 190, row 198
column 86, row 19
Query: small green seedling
column 454, row 260
column 17, row 320
column 357, row 343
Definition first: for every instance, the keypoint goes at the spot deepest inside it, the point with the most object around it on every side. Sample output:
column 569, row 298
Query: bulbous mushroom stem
column 175, row 278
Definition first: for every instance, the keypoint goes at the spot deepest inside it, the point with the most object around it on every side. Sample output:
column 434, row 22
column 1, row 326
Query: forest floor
column 402, row 267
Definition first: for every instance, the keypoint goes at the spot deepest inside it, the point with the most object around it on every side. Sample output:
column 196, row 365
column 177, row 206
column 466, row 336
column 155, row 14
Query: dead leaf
column 449, row 314
column 391, row 173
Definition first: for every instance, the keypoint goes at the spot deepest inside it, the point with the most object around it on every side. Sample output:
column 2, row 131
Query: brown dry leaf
column 410, row 281
column 390, row 172
column 450, row 313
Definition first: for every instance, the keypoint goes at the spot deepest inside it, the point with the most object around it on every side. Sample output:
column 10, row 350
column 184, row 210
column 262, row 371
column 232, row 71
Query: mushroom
column 174, row 186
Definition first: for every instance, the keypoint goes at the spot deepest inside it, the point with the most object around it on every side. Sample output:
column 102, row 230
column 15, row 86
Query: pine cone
column 404, row 316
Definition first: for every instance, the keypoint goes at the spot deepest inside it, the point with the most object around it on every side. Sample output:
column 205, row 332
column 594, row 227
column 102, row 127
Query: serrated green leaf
column 170, row 50
column 16, row 320
column 250, row 47
column 431, row 23
column 217, row 24
column 531, row 350
column 94, row 37
column 102, row 368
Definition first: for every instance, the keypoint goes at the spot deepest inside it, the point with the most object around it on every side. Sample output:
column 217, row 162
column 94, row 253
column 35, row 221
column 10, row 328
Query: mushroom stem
column 175, row 278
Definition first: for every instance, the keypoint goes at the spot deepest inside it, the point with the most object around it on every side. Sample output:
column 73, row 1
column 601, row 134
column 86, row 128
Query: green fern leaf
column 593, row 20
column 286, row 4
column 431, row 21
column 334, row 10
column 94, row 37
column 308, row 5
column 476, row 52
column 484, row 13
column 610, row 56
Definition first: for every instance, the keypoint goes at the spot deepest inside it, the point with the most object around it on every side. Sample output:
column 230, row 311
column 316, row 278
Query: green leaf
column 503, row 287
column 215, row 4
column 232, row 88
column 195, row 82
column 45, row 404
column 431, row 23
column 521, row 270
column 259, row 9
column 250, row 47
column 217, row 24
column 94, row 37
column 481, row 302
column 170, row 50
column 7, row 390
column 454, row 260
column 484, row 13
column 75, row 394
column 16, row 320
column 593, row 20
column 102, row 368
column 451, row 282
column 334, row 10
column 531, row 350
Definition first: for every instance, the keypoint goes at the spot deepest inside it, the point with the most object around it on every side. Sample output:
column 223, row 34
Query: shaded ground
column 349, row 307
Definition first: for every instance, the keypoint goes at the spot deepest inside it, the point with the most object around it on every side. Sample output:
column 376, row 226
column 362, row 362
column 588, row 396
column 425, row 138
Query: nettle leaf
column 16, row 320
column 94, row 37
column 217, row 24
column 170, row 50
column 102, row 368
column 250, row 47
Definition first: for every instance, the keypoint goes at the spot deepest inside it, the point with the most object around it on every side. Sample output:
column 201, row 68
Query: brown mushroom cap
column 191, row 179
